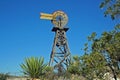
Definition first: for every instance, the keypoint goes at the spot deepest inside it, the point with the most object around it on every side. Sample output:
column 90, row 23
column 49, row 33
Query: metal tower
column 60, row 54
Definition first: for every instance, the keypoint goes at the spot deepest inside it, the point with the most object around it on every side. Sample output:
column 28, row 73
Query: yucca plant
column 33, row 67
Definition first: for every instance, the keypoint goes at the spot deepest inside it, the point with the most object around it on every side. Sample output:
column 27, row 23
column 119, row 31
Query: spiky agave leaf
column 33, row 67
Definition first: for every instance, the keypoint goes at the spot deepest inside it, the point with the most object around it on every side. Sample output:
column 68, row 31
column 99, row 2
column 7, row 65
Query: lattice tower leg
column 60, row 55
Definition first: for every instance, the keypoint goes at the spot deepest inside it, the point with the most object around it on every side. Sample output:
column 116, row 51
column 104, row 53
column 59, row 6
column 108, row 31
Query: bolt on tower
column 60, row 54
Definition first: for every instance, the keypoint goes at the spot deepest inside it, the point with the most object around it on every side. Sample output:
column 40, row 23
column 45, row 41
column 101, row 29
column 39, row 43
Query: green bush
column 3, row 76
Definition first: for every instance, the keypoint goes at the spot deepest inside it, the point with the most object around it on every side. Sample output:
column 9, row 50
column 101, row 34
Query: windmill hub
column 60, row 19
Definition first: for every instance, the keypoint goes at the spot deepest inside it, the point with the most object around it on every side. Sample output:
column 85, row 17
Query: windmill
column 60, row 54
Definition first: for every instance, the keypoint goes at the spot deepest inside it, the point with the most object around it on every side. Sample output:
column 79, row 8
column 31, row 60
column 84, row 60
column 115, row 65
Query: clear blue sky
column 23, row 34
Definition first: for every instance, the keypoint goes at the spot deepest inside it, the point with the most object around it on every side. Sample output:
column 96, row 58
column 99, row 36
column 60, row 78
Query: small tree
column 89, row 66
column 3, row 76
column 112, row 8
column 109, row 46
column 74, row 67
